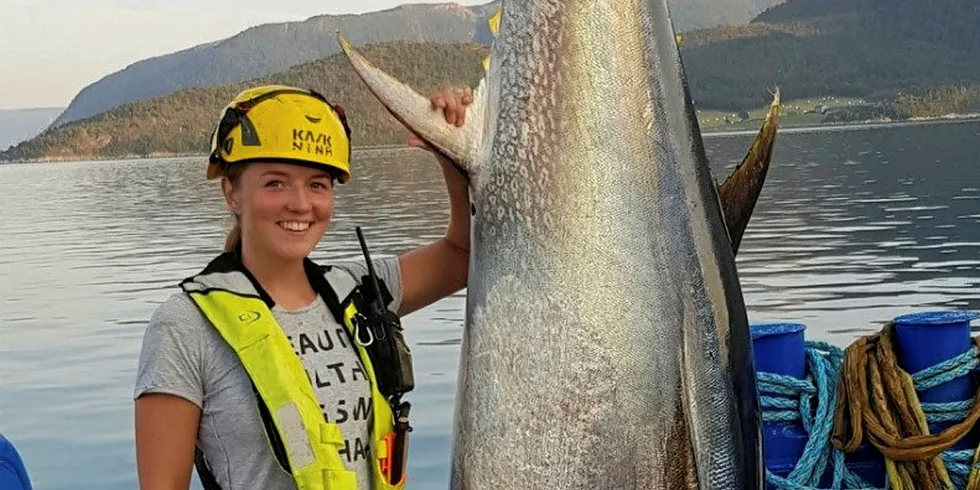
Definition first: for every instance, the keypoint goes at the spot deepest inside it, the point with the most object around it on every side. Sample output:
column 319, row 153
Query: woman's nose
column 299, row 200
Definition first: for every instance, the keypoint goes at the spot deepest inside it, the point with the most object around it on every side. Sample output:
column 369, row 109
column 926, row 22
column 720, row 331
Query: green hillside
column 181, row 123
column 874, row 49
column 835, row 61
column 270, row 48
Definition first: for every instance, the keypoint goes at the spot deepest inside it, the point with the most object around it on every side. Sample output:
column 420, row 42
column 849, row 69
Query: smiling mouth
column 295, row 225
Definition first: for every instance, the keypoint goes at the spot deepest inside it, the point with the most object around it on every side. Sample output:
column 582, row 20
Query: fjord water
column 853, row 228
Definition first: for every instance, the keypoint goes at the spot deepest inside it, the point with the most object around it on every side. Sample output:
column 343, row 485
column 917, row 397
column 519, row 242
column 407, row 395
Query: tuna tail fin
column 415, row 111
column 741, row 189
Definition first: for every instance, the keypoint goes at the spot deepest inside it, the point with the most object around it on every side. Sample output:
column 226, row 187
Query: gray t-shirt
column 184, row 355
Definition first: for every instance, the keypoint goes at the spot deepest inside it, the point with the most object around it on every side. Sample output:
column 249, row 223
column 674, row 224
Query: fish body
column 606, row 343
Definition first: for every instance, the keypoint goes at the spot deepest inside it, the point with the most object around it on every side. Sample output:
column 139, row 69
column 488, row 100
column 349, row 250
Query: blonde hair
column 234, row 174
column 234, row 236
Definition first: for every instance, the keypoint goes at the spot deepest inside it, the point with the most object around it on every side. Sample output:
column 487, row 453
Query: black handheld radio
column 380, row 332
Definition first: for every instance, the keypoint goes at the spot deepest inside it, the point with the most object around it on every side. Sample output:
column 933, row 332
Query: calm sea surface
column 854, row 228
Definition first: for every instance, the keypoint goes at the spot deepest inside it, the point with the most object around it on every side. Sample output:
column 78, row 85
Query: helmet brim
column 215, row 171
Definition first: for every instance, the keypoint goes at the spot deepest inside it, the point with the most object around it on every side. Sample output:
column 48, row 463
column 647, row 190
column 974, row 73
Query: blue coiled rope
column 958, row 463
column 824, row 362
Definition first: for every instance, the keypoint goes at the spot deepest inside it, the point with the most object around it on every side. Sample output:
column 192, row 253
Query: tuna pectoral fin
column 741, row 189
column 417, row 114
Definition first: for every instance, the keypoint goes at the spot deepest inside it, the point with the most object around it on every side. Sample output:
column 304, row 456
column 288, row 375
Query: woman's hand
column 453, row 103
column 439, row 269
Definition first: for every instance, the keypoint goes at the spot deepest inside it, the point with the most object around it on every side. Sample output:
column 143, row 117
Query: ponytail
column 234, row 237
column 234, row 174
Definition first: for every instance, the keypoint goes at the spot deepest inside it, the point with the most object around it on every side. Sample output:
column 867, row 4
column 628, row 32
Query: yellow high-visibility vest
column 306, row 445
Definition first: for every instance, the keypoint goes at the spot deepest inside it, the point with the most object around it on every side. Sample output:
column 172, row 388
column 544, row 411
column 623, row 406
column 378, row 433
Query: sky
column 51, row 49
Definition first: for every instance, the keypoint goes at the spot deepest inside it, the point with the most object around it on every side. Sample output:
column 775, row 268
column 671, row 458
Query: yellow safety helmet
column 279, row 123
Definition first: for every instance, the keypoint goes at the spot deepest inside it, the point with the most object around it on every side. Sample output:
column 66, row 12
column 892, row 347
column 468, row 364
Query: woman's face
column 284, row 209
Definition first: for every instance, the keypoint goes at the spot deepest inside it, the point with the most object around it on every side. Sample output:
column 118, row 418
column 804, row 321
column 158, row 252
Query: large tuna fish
column 606, row 344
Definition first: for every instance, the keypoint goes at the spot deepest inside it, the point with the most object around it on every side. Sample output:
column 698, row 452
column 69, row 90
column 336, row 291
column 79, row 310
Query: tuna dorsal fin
column 415, row 111
column 494, row 24
column 741, row 189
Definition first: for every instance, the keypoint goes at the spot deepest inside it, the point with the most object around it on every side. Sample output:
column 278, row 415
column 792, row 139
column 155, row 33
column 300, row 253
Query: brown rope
column 876, row 400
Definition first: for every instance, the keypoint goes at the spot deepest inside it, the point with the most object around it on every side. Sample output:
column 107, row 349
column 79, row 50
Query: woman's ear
column 231, row 197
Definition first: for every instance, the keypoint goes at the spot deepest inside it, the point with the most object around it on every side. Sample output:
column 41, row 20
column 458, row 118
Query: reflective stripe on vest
column 231, row 302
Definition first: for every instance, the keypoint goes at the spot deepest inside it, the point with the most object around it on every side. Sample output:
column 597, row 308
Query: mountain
column 703, row 14
column 876, row 49
column 181, row 123
column 904, row 58
column 271, row 48
column 18, row 125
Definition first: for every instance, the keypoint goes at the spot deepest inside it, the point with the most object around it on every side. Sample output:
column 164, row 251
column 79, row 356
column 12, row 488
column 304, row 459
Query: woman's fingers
column 457, row 110
column 438, row 100
column 418, row 142
column 453, row 102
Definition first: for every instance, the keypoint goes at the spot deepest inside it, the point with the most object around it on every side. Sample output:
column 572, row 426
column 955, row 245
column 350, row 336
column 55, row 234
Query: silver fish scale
column 602, row 285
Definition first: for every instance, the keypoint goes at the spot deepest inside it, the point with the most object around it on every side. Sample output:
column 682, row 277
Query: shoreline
column 713, row 133
column 852, row 125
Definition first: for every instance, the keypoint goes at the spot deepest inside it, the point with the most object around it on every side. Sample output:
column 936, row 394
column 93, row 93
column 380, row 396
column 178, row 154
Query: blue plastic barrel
column 780, row 348
column 929, row 338
column 868, row 463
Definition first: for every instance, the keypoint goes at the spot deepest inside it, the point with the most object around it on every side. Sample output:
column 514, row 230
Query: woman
column 254, row 365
